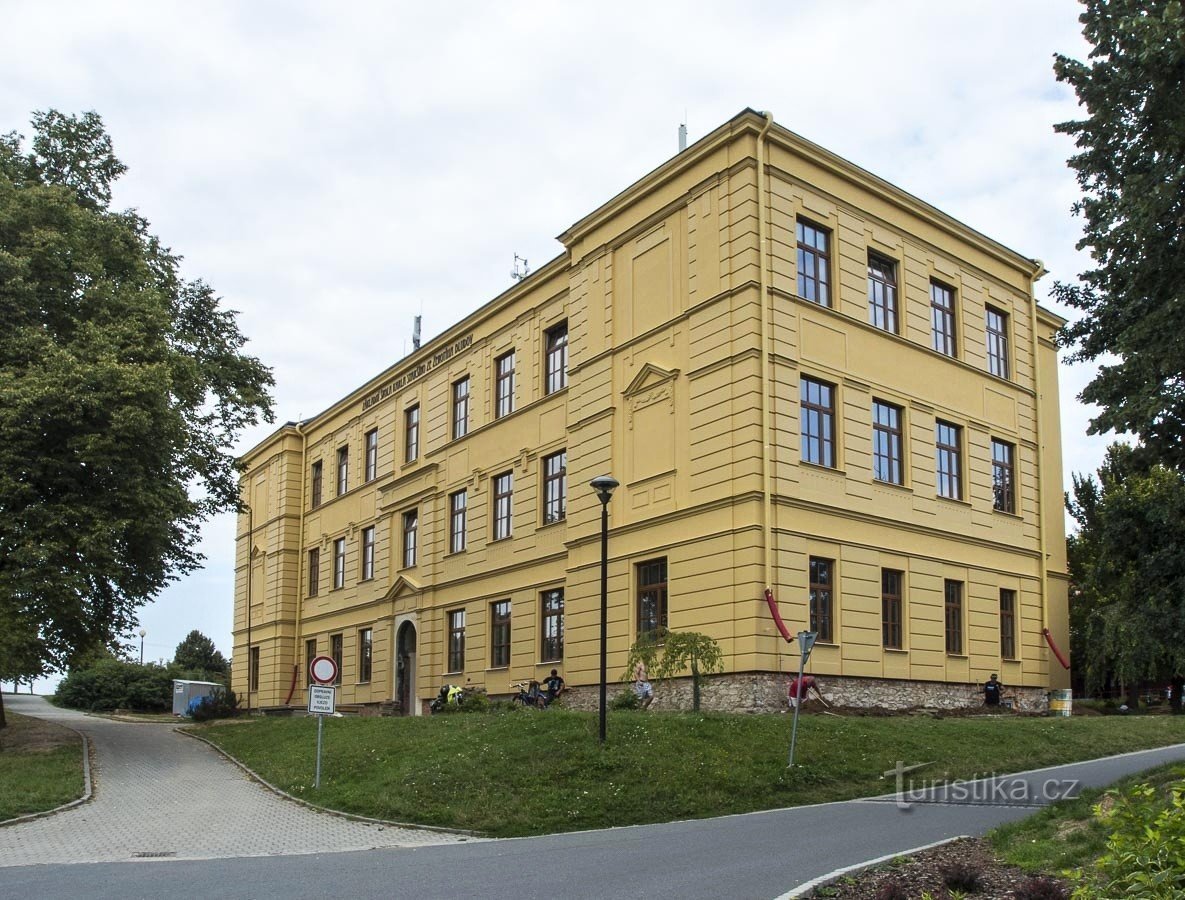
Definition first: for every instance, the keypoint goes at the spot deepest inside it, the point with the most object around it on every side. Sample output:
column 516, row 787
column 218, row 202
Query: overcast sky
column 334, row 169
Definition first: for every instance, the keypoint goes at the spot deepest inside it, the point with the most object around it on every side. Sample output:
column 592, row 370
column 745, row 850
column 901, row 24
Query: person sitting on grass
column 555, row 686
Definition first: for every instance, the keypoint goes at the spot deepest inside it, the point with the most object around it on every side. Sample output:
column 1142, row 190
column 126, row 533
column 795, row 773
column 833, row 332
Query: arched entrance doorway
column 405, row 669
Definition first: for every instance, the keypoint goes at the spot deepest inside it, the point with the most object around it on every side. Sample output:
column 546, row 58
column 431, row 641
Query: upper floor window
column 343, row 470
column 372, row 454
column 1003, row 477
column 456, row 640
column 557, row 358
column 503, row 505
column 818, row 422
column 882, row 292
column 953, row 591
column 339, row 563
column 411, row 445
column 948, row 459
column 365, row 655
column 552, row 614
column 821, row 600
column 504, row 385
column 886, row 443
column 314, row 571
column 555, row 486
column 814, row 259
column 461, row 407
column 411, row 528
column 499, row 634
column 652, row 595
column 456, row 515
column 891, row 608
column 997, row 341
column 367, row 553
column 318, row 468
column 942, row 318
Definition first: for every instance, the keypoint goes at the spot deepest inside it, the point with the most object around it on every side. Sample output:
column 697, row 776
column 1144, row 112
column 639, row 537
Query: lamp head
column 604, row 485
column 143, row 631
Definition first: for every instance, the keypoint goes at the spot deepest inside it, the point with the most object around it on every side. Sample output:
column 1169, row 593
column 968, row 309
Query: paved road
column 759, row 855
column 159, row 794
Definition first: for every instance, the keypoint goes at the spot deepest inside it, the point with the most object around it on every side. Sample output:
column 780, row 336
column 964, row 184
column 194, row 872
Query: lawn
column 525, row 772
column 40, row 766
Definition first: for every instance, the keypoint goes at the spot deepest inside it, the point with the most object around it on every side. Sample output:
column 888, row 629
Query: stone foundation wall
column 758, row 692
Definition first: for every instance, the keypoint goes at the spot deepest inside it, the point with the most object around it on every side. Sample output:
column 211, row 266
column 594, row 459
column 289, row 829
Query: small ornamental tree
column 670, row 653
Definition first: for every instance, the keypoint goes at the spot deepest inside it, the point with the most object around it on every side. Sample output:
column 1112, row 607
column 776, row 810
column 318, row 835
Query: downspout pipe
column 1042, row 549
column 300, row 560
column 766, row 403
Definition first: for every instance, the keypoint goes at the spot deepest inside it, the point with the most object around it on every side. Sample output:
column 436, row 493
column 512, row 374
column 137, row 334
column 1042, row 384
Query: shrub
column 219, row 705
column 1040, row 887
column 961, row 876
column 891, row 890
column 627, row 699
column 111, row 684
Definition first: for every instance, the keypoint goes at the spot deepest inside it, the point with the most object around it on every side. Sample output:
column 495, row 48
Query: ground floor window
column 891, row 581
column 456, row 640
column 821, row 601
column 254, row 676
column 552, row 617
column 953, row 591
column 365, row 646
column 652, row 595
column 335, row 650
column 500, row 634
column 310, row 653
column 1007, row 624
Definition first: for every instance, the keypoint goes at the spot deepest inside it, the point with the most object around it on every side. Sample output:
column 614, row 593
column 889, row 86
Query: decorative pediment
column 649, row 377
column 402, row 586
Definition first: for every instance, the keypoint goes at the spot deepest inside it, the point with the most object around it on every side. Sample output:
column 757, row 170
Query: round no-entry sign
column 323, row 669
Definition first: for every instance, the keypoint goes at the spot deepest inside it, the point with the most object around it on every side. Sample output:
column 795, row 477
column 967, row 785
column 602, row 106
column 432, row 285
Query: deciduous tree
column 197, row 652
column 123, row 387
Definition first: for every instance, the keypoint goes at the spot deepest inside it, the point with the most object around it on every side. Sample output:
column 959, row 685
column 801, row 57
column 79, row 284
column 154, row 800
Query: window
column 503, row 505
column 997, row 342
column 504, row 385
column 652, row 596
column 339, row 563
column 557, row 358
column 411, row 433
column 456, row 640
column 954, row 616
column 1003, row 478
column 411, row 527
column 813, row 262
column 254, row 684
column 343, row 470
column 310, row 653
column 314, row 571
column 316, row 491
column 368, row 553
column 1007, row 624
column 461, row 407
column 552, row 615
column 886, row 443
column 365, row 646
column 948, row 457
column 942, row 318
column 456, row 517
column 882, row 292
column 555, row 486
column 335, row 650
column 818, row 423
column 891, row 581
column 821, row 598
column 372, row 454
column 500, row 634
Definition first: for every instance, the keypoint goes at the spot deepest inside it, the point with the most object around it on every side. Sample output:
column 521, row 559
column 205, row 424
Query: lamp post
column 604, row 485
column 143, row 632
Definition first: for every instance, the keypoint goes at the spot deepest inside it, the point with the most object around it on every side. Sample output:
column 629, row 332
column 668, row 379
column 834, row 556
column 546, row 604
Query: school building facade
column 802, row 377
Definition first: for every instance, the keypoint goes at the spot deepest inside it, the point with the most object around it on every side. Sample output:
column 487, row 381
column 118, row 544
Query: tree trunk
column 3, row 720
column 694, row 685
column 1178, row 687
column 1133, row 696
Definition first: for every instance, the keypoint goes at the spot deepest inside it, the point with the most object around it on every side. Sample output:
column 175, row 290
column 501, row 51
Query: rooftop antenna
column 526, row 270
column 683, row 133
column 415, row 335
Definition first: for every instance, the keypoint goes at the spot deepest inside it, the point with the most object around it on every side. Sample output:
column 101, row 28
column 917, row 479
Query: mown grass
column 1068, row 835
column 40, row 766
column 524, row 772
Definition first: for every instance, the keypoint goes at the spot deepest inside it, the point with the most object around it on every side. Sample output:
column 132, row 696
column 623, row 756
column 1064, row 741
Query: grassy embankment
column 531, row 773
column 40, row 766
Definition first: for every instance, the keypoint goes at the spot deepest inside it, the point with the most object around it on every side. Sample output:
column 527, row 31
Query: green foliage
column 667, row 654
column 197, row 653
column 40, row 767
column 1130, row 166
column 219, row 705
column 1145, row 856
column 114, row 684
column 122, row 386
column 1127, row 565
column 627, row 699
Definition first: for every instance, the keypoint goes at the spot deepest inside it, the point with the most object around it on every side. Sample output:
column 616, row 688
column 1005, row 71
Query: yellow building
column 803, row 378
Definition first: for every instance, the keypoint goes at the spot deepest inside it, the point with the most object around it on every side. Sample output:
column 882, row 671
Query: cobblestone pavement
column 159, row 794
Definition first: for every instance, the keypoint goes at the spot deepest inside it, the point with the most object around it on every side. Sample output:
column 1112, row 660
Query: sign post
column 322, row 699
column 806, row 643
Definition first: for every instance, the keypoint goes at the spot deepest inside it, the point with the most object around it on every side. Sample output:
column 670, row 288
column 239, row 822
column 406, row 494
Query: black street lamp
column 604, row 485
column 143, row 631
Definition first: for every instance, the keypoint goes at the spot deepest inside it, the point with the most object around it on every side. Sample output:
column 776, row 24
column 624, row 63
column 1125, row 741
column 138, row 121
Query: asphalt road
column 758, row 855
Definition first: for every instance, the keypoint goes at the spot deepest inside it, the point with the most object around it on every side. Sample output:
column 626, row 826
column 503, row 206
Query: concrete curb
column 807, row 886
column 255, row 776
column 87, row 785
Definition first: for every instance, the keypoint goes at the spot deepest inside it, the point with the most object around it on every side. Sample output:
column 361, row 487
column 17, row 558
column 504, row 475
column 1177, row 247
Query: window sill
column 499, row 540
column 798, row 296
column 901, row 650
column 1008, row 515
column 955, row 500
column 365, row 580
column 498, row 668
column 361, row 683
column 956, row 656
column 819, row 643
column 553, row 523
column 876, row 482
column 460, row 552
column 822, row 468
